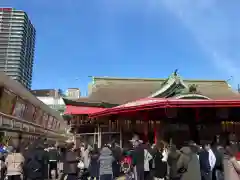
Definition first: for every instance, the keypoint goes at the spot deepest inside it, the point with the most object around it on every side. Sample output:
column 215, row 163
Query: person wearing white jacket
column 147, row 158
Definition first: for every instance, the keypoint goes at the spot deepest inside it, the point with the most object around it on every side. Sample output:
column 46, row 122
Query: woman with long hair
column 160, row 161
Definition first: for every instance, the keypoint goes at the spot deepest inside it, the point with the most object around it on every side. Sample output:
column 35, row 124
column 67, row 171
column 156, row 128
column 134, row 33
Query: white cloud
column 215, row 26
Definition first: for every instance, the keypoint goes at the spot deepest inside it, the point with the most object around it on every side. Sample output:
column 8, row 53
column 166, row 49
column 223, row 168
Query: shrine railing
column 14, row 124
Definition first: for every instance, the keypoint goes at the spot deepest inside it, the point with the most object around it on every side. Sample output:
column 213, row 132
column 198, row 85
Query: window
column 29, row 112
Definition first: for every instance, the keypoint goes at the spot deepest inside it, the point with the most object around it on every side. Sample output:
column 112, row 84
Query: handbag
column 80, row 165
column 182, row 170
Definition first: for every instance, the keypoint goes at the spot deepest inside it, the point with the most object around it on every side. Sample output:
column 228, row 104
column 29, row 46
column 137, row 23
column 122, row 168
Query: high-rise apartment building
column 17, row 44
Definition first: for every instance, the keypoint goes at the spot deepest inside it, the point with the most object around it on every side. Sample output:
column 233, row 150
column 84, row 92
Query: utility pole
column 238, row 89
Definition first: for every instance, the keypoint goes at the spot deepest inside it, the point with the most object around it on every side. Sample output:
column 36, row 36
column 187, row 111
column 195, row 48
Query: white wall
column 55, row 103
column 51, row 100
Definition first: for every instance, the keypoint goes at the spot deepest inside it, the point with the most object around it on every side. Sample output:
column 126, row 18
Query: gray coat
column 189, row 159
column 105, row 161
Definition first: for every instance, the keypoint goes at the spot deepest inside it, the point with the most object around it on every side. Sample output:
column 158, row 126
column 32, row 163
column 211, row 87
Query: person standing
column 230, row 165
column 173, row 158
column 14, row 163
column 70, row 162
column 138, row 158
column 117, row 154
column 94, row 165
column 219, row 154
column 205, row 165
column 188, row 165
column 105, row 164
column 2, row 166
column 53, row 157
column 160, row 164
column 147, row 158
column 36, row 161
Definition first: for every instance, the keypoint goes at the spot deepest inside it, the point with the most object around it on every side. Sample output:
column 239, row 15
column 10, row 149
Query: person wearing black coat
column 70, row 163
column 138, row 160
column 159, row 166
column 205, row 165
column 53, row 156
column 117, row 154
column 94, row 164
column 36, row 162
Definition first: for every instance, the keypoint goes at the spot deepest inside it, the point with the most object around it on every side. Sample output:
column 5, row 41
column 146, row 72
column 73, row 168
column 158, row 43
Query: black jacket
column 38, row 155
column 219, row 153
column 70, row 162
column 53, row 154
column 138, row 157
column 160, row 169
column 204, row 161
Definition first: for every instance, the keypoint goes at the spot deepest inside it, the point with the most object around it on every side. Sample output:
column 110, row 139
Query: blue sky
column 132, row 38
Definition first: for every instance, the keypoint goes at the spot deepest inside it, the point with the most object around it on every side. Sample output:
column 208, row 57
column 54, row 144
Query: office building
column 17, row 44
column 73, row 93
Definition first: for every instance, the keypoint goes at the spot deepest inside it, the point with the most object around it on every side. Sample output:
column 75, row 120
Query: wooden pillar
column 99, row 136
column 121, row 144
column 155, row 133
column 94, row 136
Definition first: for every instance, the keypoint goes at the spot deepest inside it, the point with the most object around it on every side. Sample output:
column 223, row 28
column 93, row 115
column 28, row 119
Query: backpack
column 34, row 165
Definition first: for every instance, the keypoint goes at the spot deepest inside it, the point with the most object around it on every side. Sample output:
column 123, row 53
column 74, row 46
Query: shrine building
column 109, row 92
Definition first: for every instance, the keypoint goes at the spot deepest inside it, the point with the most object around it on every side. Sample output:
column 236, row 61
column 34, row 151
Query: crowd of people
column 160, row 161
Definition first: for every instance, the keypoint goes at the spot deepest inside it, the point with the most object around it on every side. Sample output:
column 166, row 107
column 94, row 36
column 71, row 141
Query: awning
column 82, row 110
column 158, row 103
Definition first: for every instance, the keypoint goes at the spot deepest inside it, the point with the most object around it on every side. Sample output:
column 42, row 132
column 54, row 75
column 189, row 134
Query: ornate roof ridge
column 129, row 78
column 155, row 79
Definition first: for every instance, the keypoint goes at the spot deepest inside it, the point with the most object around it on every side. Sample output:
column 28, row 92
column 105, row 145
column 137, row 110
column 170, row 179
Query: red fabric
column 82, row 110
column 238, row 156
column 157, row 103
column 127, row 160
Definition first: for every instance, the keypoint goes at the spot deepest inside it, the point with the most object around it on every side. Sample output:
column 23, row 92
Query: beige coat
column 14, row 163
column 231, row 168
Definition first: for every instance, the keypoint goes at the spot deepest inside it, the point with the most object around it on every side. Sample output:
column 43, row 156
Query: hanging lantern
column 227, row 126
column 171, row 112
column 222, row 113
column 223, row 125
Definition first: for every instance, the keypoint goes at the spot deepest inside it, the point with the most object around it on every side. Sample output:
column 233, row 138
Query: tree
column 61, row 93
column 193, row 88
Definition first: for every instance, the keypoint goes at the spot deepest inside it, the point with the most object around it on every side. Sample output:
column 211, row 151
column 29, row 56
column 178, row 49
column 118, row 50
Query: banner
column 19, row 108
column 38, row 116
column 50, row 122
column 45, row 120
column 29, row 112
column 7, row 101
